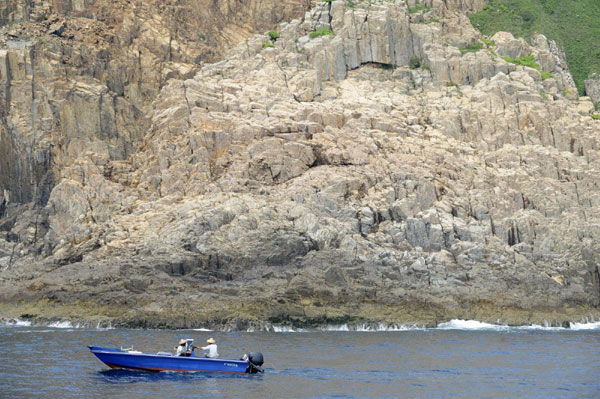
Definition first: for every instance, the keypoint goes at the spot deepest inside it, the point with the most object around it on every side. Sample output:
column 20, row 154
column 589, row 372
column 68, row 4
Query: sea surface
column 460, row 359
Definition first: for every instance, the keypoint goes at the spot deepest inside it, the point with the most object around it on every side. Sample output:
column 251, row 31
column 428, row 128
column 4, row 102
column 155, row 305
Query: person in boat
column 211, row 348
column 181, row 349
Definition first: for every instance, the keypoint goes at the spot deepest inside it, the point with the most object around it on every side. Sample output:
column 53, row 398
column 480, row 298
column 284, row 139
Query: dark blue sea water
column 481, row 362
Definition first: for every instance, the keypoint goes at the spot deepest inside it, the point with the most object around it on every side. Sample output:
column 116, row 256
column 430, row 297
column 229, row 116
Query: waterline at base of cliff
column 359, row 318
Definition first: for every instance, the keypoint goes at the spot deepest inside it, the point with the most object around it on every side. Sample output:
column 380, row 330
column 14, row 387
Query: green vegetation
column 471, row 48
column 546, row 75
column 527, row 61
column 429, row 21
column 415, row 62
column 597, row 106
column 274, row 35
column 452, row 84
column 595, row 116
column 488, row 42
column 321, row 32
column 575, row 25
column 544, row 95
column 425, row 67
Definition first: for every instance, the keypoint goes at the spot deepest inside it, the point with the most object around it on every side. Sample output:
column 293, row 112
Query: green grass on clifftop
column 574, row 24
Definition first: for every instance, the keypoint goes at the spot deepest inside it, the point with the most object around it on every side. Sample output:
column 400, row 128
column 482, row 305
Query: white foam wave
column 284, row 329
column 16, row 323
column 341, row 327
column 57, row 324
column 545, row 327
column 380, row 327
column 62, row 324
column 585, row 326
column 69, row 325
column 474, row 325
column 458, row 324
column 387, row 327
column 99, row 326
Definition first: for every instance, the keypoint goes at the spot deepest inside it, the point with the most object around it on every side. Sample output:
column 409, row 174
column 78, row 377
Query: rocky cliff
column 378, row 161
column 78, row 76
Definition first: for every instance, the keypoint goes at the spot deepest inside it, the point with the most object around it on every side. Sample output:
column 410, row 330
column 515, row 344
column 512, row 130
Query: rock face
column 379, row 173
column 592, row 88
column 81, row 76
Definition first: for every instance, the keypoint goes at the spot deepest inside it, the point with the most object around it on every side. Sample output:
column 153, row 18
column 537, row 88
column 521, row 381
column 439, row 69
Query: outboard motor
column 255, row 361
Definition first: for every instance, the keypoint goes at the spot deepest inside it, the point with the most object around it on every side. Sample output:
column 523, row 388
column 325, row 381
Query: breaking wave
column 475, row 325
column 373, row 327
column 15, row 323
column 585, row 326
column 284, row 329
column 469, row 325
column 379, row 327
column 457, row 324
column 69, row 325
column 64, row 324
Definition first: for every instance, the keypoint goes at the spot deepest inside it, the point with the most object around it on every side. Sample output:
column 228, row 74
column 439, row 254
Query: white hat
column 211, row 341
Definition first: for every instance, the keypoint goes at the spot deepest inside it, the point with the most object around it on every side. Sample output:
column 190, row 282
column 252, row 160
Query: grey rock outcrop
column 592, row 88
column 323, row 178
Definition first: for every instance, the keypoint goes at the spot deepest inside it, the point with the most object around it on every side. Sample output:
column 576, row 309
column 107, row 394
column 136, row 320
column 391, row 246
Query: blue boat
column 163, row 361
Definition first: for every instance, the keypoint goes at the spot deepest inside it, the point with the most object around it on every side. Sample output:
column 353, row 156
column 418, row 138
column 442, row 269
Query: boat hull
column 122, row 359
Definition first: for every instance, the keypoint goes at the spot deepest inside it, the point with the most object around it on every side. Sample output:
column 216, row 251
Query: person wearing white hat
column 181, row 349
column 211, row 348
